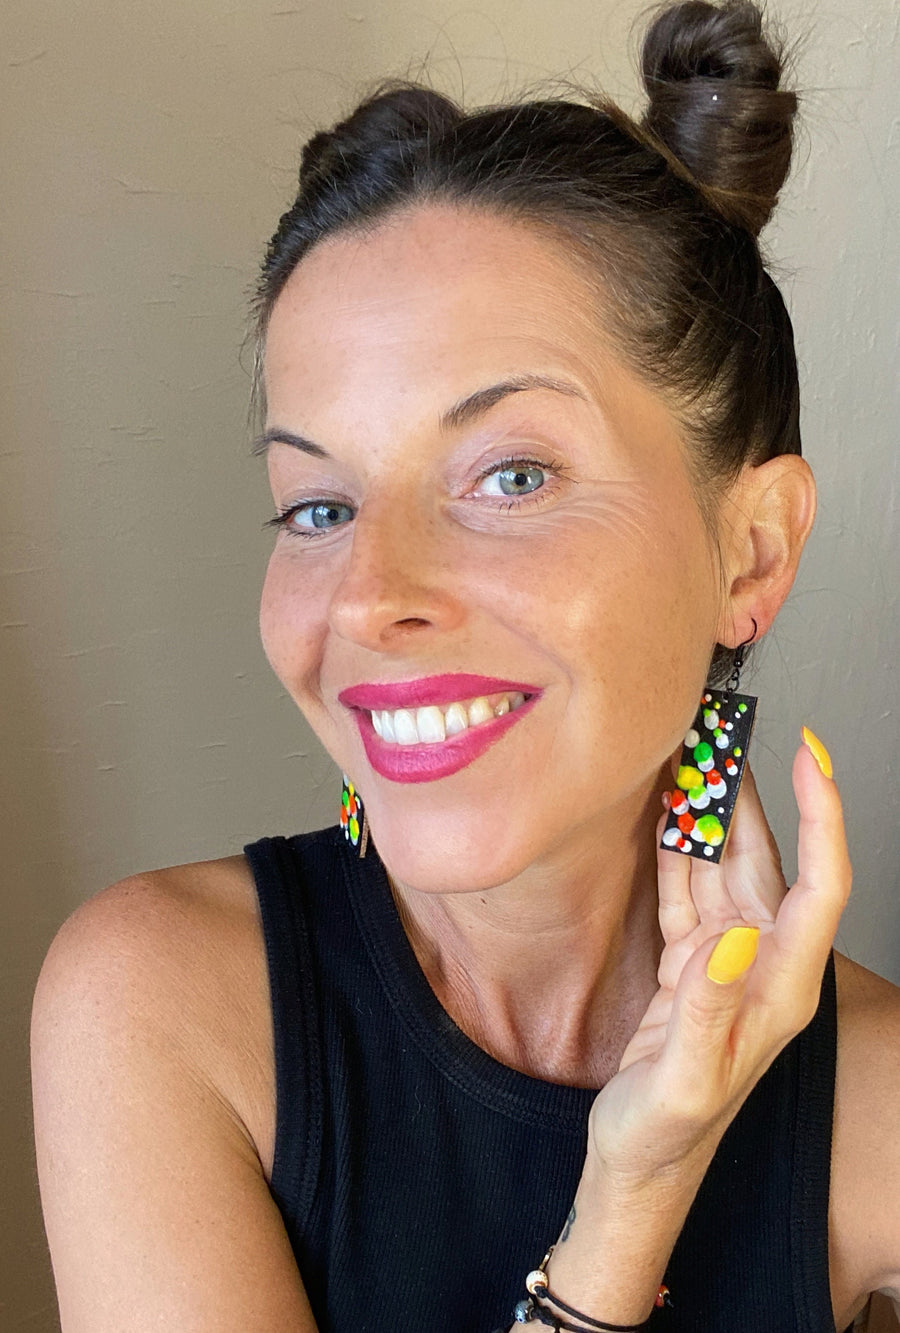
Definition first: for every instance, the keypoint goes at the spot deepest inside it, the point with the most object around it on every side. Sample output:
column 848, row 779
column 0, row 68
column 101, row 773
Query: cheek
column 625, row 606
column 290, row 623
column 618, row 581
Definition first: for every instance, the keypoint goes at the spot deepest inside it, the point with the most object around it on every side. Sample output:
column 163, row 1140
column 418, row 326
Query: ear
column 763, row 527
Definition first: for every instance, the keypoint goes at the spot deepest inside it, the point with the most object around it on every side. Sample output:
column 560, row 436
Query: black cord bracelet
column 539, row 1287
column 586, row 1319
column 544, row 1291
column 529, row 1310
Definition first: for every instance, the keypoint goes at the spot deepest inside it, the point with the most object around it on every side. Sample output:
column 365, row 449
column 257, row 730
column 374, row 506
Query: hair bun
column 712, row 77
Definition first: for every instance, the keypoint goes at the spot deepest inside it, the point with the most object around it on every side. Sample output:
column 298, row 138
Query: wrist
column 611, row 1257
column 548, row 1307
column 637, row 1183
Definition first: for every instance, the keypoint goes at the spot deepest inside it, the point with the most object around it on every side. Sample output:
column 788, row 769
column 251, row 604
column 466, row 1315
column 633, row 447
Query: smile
column 404, row 726
column 444, row 726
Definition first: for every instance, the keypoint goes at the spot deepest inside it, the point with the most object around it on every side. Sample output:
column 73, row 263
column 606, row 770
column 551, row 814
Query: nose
column 399, row 582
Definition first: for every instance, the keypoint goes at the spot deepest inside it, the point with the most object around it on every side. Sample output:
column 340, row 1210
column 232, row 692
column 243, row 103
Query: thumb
column 704, row 1008
column 733, row 955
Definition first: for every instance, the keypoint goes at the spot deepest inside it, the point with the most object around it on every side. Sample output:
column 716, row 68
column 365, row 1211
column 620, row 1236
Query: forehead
column 434, row 297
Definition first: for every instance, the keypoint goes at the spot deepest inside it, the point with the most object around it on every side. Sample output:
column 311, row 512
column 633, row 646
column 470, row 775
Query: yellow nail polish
column 733, row 954
column 819, row 753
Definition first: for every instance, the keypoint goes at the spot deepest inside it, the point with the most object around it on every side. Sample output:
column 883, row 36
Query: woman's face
column 580, row 572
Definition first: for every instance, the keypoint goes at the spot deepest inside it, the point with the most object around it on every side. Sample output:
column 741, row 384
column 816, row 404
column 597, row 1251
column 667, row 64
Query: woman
column 532, row 437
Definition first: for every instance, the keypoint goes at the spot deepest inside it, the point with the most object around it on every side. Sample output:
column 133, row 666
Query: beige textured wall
column 146, row 153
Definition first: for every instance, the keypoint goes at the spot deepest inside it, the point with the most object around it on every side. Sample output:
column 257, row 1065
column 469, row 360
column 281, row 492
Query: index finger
column 808, row 919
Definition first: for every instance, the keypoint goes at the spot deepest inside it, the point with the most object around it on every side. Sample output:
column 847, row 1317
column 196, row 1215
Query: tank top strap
column 816, row 1053
column 295, row 1020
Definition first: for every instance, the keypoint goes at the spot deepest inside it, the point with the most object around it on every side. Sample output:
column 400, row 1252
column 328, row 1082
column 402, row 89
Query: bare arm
column 157, row 1209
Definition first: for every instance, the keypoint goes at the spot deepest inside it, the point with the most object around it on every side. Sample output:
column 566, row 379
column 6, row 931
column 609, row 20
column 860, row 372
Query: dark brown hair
column 662, row 214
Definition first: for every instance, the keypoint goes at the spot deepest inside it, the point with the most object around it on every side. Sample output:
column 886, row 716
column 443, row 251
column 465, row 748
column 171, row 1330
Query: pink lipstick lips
column 428, row 761
column 429, row 690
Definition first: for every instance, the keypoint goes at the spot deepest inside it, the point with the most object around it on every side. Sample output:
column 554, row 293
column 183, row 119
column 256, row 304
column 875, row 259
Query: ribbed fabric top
column 419, row 1179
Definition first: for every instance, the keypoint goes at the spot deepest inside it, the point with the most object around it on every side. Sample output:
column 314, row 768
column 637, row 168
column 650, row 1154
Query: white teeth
column 432, row 725
column 456, row 720
column 479, row 711
column 405, row 727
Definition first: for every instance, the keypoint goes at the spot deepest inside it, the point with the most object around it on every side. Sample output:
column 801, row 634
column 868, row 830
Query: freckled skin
column 601, row 589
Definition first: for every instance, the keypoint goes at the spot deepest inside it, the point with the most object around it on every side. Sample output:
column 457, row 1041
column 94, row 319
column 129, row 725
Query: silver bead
column 522, row 1312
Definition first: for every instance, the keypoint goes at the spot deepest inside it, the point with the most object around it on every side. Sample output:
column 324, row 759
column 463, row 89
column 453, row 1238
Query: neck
column 552, row 971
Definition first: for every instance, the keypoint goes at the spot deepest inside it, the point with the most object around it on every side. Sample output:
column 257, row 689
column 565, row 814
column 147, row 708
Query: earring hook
column 734, row 679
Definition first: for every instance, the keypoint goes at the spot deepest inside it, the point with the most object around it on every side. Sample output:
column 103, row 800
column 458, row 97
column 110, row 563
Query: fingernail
column 666, row 800
column 733, row 954
column 819, row 753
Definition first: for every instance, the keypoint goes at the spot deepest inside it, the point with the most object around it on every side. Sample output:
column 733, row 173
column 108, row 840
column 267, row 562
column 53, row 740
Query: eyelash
column 282, row 520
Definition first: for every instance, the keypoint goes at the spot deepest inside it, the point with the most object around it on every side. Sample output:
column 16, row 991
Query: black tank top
column 419, row 1179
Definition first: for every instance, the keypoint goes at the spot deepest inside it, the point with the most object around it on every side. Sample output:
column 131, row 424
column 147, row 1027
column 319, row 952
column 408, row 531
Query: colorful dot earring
column 710, row 768
column 353, row 817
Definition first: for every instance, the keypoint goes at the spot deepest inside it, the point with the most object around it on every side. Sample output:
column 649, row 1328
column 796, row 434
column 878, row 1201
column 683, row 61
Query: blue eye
column 324, row 515
column 518, row 479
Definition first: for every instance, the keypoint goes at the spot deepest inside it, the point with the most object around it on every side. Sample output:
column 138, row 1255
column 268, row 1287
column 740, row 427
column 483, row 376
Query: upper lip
column 446, row 689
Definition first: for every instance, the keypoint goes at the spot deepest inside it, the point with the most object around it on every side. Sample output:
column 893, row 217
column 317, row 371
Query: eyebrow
column 468, row 409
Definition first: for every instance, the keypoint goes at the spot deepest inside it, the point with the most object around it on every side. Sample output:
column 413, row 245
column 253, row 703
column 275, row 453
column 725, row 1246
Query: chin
column 447, row 855
column 470, row 850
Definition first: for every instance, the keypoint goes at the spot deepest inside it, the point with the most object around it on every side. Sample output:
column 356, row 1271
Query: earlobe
column 767, row 518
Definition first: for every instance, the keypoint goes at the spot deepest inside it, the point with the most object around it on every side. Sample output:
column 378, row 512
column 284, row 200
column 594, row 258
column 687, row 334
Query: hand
column 702, row 1046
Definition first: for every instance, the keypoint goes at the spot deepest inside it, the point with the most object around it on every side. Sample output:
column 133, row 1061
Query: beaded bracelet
column 538, row 1285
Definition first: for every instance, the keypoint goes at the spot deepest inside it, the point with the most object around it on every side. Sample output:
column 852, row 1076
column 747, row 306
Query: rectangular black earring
column 709, row 775
column 711, row 767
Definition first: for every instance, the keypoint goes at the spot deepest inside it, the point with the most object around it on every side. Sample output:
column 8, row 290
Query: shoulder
column 171, row 960
column 865, row 1165
column 154, row 1110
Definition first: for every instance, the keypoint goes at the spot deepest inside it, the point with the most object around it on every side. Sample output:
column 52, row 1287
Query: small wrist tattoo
column 568, row 1226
